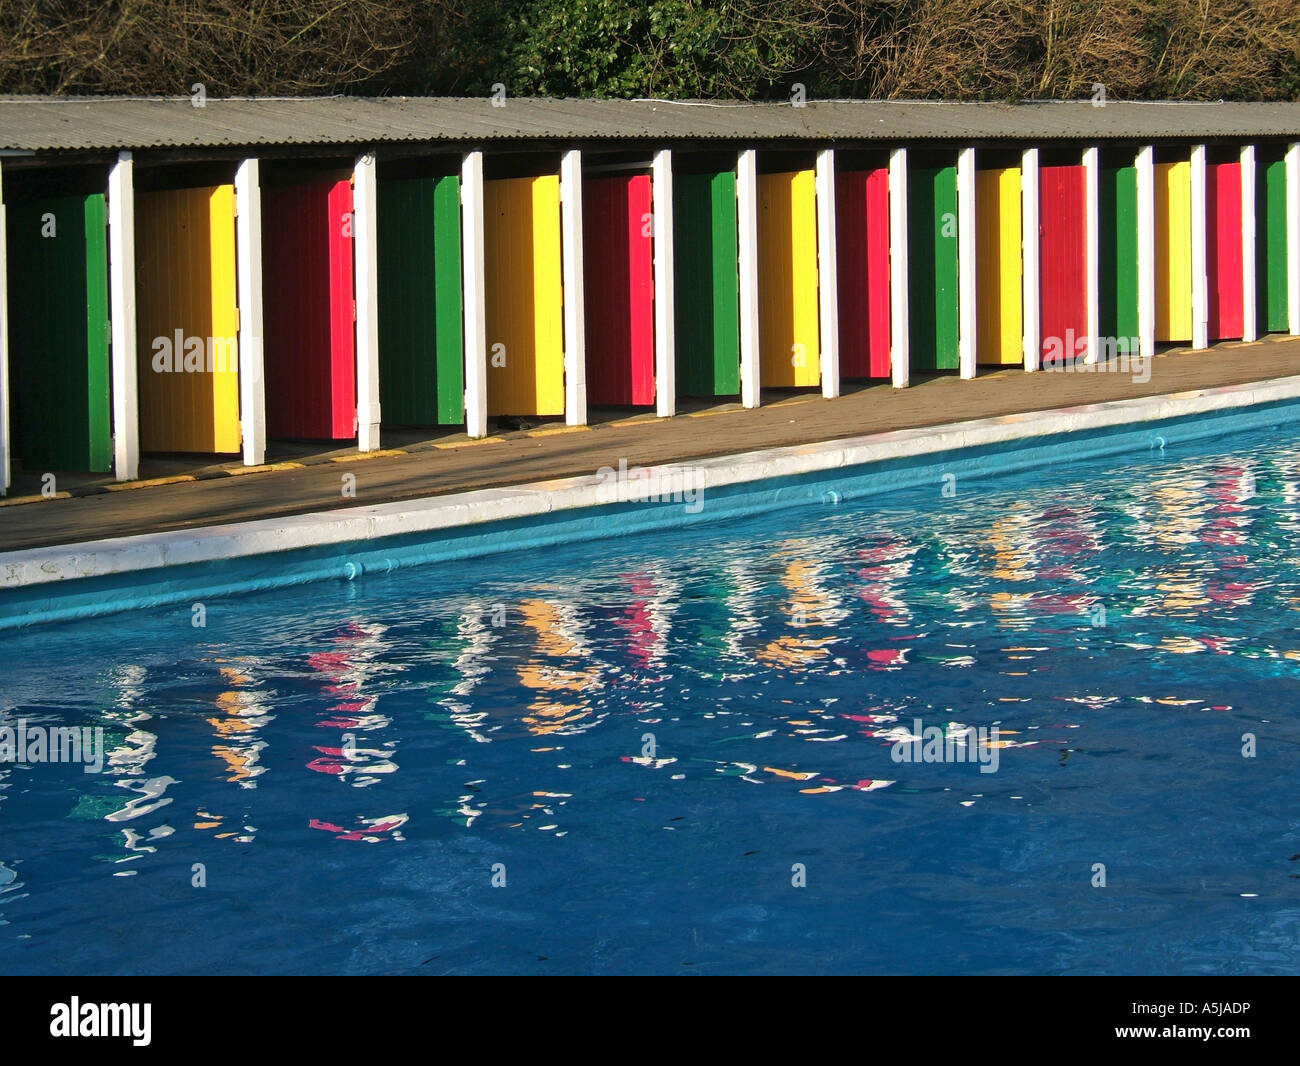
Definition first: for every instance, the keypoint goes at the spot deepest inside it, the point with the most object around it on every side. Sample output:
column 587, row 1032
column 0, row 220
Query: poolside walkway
column 410, row 469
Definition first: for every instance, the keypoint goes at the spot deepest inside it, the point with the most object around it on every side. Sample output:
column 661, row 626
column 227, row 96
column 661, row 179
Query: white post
column 1200, row 279
column 747, row 263
column 1293, row 238
column 899, row 354
column 475, row 283
column 1146, row 247
column 1031, row 340
column 248, row 248
column 575, row 323
column 1249, row 326
column 121, row 289
column 661, row 207
column 5, row 456
column 828, row 300
column 1092, row 214
column 966, row 262
column 366, row 253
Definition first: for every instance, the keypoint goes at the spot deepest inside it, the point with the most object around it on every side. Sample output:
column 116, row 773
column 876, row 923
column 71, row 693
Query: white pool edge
column 204, row 544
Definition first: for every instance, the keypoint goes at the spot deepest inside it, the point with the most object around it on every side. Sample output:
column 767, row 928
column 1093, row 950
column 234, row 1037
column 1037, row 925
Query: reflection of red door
column 617, row 252
column 636, row 620
column 1063, row 259
column 862, row 254
column 308, row 308
column 1223, row 249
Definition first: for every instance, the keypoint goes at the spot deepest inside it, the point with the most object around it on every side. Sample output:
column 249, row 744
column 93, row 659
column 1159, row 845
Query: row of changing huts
column 185, row 279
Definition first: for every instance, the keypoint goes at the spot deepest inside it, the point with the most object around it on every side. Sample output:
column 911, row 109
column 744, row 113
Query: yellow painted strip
column 361, row 457
column 635, row 420
column 14, row 501
column 1173, row 251
column 556, row 431
column 185, row 284
column 524, row 297
column 450, row 445
column 149, row 483
column 788, row 328
column 999, row 266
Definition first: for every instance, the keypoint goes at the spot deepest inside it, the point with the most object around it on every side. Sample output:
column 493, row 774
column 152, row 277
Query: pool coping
column 143, row 552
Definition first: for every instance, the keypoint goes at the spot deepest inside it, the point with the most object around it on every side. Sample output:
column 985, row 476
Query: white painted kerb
column 150, row 551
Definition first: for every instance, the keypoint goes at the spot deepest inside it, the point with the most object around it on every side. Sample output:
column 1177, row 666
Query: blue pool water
column 650, row 739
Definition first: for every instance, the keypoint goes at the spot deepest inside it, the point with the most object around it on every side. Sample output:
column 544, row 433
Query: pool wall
column 187, row 566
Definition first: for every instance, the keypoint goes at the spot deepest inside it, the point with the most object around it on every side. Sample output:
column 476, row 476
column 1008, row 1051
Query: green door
column 707, row 284
column 1118, row 254
column 1270, row 245
column 421, row 359
column 932, row 267
column 59, row 333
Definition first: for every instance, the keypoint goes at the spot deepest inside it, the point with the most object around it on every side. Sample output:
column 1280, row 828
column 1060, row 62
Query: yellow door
column 788, row 333
column 999, row 266
column 1173, row 251
column 524, row 296
column 187, row 318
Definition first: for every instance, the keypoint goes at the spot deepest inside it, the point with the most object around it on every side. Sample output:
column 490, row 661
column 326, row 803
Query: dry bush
column 945, row 49
column 234, row 47
column 1057, row 49
column 1229, row 48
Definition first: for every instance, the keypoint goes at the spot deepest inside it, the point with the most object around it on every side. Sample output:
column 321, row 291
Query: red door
column 309, row 311
column 1223, row 249
column 618, row 260
column 1062, row 260
column 862, row 254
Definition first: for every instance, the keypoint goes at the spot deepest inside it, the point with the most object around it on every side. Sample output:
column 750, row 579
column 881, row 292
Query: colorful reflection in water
column 333, row 778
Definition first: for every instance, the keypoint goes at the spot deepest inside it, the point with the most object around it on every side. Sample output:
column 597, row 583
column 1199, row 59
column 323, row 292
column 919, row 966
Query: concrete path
column 314, row 482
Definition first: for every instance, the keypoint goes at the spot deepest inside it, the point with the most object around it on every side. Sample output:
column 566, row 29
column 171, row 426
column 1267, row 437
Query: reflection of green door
column 932, row 267
column 707, row 289
column 1270, row 245
column 1117, row 253
column 709, row 622
column 444, row 644
column 421, row 378
column 59, row 332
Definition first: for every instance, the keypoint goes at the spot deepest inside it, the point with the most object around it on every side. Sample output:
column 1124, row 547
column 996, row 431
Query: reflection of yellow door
column 186, row 300
column 1173, row 251
column 244, row 716
column 524, row 296
column 998, row 266
column 558, row 673
column 789, row 345
column 810, row 608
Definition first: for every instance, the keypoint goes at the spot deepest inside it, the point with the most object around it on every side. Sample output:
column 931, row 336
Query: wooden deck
column 196, row 495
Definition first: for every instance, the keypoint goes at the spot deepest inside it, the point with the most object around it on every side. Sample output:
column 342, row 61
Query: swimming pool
column 674, row 752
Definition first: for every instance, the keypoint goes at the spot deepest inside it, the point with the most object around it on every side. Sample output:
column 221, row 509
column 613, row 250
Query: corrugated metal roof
column 44, row 123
